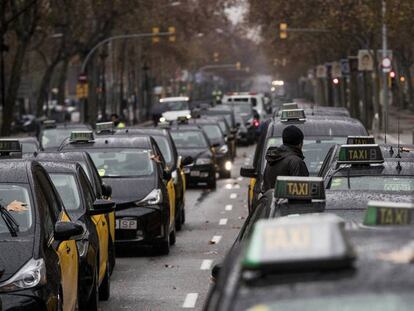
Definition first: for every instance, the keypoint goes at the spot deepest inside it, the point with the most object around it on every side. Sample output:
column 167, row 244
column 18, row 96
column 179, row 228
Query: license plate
column 195, row 173
column 126, row 224
column 186, row 170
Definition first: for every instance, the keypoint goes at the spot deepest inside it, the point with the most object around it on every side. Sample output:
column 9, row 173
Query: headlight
column 228, row 165
column 223, row 149
column 152, row 198
column 82, row 247
column 162, row 119
column 203, row 161
column 188, row 116
column 33, row 273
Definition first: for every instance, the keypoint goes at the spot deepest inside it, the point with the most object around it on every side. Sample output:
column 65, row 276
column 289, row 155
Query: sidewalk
column 406, row 119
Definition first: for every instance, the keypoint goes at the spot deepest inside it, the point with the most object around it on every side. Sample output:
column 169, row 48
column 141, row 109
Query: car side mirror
column 101, row 207
column 216, row 271
column 166, row 175
column 187, row 161
column 106, row 190
column 67, row 230
column 248, row 171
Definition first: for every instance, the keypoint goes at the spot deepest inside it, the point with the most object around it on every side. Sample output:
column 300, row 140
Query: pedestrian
column 286, row 160
column 117, row 121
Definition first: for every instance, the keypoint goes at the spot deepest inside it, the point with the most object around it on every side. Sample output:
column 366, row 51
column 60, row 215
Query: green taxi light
column 81, row 136
column 290, row 106
column 292, row 114
column 8, row 146
column 104, row 127
column 299, row 188
column 49, row 124
column 381, row 213
column 360, row 154
column 305, row 242
column 360, row 140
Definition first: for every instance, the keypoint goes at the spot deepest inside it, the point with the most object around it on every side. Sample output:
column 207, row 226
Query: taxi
column 229, row 136
column 38, row 252
column 318, row 261
column 30, row 145
column 141, row 187
column 320, row 134
column 174, row 164
column 191, row 141
column 101, row 190
column 52, row 135
column 218, row 140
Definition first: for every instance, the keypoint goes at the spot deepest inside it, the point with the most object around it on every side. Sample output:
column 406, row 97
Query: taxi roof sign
column 81, row 136
column 49, row 123
column 360, row 140
column 360, row 154
column 290, row 106
column 306, row 242
column 380, row 213
column 8, row 146
column 299, row 188
column 105, row 127
column 292, row 114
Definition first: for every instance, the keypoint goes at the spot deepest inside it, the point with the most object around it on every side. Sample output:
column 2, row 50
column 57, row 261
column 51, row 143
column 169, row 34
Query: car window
column 213, row 132
column 189, row 139
column 164, row 146
column 53, row 138
column 87, row 189
column 68, row 190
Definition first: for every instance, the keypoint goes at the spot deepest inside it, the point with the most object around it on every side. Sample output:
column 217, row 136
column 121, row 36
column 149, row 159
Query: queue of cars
column 340, row 239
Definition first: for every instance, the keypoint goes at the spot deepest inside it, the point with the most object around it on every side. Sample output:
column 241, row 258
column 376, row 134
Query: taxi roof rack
column 380, row 213
column 287, row 115
column 313, row 242
column 360, row 140
column 360, row 154
column 299, row 189
column 10, row 149
column 81, row 137
column 105, row 128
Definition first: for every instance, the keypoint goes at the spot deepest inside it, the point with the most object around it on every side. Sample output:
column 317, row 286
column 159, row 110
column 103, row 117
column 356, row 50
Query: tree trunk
column 13, row 87
column 62, row 81
column 44, row 88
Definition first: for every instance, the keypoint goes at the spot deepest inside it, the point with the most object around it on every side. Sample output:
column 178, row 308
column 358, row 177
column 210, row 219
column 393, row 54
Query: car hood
column 130, row 189
column 194, row 153
column 14, row 253
column 173, row 115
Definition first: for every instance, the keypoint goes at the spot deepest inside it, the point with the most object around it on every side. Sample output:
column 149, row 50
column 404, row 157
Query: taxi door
column 66, row 250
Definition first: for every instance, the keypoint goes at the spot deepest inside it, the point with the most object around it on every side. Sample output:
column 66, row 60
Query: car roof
column 388, row 168
column 69, row 126
column 203, row 121
column 16, row 170
column 59, row 166
column 186, row 127
column 25, row 139
column 111, row 141
column 151, row 131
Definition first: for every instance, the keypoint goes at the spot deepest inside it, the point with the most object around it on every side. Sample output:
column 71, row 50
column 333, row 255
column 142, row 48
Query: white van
column 257, row 100
column 174, row 108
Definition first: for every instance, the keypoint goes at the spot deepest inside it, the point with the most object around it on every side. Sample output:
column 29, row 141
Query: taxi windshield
column 162, row 143
column 175, row 105
column 368, row 301
column 122, row 162
column 374, row 183
column 213, row 132
column 314, row 150
column 16, row 199
column 68, row 190
column 53, row 138
column 189, row 139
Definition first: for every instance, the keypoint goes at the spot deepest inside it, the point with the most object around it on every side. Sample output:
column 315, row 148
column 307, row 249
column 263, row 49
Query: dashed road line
column 216, row 239
column 233, row 195
column 190, row 300
column 229, row 207
column 223, row 222
column 206, row 264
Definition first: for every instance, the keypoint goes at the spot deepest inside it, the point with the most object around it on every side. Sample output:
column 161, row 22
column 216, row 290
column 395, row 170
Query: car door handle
column 67, row 249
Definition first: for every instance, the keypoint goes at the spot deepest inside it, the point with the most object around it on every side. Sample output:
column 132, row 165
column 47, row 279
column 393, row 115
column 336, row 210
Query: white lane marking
column 223, row 222
column 233, row 195
column 206, row 264
column 229, row 186
column 237, row 186
column 216, row 239
column 190, row 300
column 229, row 207
column 240, row 178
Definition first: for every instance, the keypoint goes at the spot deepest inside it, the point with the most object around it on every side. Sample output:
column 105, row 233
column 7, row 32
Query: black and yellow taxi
column 174, row 164
column 218, row 140
column 141, row 187
column 320, row 261
column 191, row 141
column 52, row 134
column 101, row 190
column 80, row 202
column 39, row 259
column 320, row 134
column 229, row 136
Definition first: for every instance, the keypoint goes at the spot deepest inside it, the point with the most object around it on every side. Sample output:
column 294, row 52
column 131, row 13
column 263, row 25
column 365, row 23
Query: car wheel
column 105, row 288
column 93, row 299
column 163, row 247
column 173, row 236
column 212, row 183
column 183, row 215
column 178, row 219
column 111, row 254
column 225, row 174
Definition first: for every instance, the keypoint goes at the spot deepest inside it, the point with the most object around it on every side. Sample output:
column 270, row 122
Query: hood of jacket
column 276, row 154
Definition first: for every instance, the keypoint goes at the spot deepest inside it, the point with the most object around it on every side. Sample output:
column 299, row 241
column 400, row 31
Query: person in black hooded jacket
column 286, row 160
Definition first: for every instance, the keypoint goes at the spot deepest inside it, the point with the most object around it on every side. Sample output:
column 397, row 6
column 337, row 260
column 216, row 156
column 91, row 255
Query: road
column 181, row 280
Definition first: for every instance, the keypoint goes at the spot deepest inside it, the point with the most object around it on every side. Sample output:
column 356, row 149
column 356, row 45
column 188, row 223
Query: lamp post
column 384, row 70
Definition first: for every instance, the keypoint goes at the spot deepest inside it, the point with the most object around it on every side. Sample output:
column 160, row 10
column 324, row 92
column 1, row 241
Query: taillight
column 256, row 123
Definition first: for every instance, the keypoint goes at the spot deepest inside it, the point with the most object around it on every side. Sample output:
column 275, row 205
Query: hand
column 156, row 158
column 17, row 206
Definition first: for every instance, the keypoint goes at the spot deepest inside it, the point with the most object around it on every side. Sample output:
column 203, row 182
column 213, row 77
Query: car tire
column 183, row 216
column 212, row 183
column 225, row 174
column 105, row 287
column 163, row 247
column 112, row 255
column 178, row 219
column 93, row 301
column 173, row 236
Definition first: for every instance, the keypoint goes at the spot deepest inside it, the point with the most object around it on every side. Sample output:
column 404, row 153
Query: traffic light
column 172, row 37
column 216, row 57
column 238, row 65
column 283, row 31
column 155, row 32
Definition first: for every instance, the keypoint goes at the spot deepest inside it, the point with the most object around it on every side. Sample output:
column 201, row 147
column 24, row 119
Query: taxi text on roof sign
column 81, row 136
column 360, row 154
column 293, row 114
column 360, row 140
column 389, row 213
column 104, row 127
column 10, row 146
column 298, row 243
column 299, row 188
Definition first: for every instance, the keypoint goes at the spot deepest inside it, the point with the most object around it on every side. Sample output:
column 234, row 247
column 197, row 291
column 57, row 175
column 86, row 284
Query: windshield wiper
column 9, row 220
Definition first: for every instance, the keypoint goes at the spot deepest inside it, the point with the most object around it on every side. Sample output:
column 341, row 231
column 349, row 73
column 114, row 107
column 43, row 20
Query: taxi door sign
column 360, row 140
column 360, row 154
column 299, row 188
column 381, row 213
